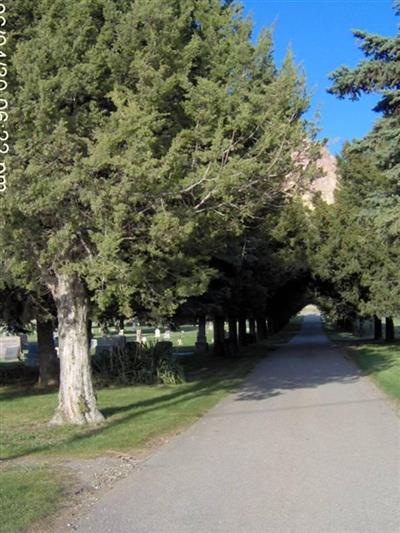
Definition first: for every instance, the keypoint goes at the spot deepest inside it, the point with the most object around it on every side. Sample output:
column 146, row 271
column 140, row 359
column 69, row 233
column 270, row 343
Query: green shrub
column 138, row 364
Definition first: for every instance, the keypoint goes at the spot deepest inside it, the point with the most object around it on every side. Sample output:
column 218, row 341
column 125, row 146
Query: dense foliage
column 149, row 140
column 356, row 242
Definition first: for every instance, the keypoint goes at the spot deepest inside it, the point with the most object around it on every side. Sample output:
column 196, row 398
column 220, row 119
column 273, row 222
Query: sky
column 319, row 34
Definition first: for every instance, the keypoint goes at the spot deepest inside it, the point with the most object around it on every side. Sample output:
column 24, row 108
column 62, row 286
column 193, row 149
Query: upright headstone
column 10, row 348
column 93, row 344
column 107, row 344
column 167, row 335
column 32, row 359
column 157, row 333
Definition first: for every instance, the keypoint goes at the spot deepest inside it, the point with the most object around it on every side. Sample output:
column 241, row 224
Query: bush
column 138, row 364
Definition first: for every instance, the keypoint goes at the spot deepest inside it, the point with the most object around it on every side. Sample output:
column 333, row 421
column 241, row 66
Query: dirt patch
column 88, row 480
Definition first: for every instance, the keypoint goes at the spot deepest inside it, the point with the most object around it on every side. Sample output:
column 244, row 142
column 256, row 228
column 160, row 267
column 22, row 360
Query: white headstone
column 10, row 348
column 167, row 335
column 157, row 333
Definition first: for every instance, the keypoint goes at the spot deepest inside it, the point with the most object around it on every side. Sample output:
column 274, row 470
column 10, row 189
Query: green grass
column 376, row 359
column 382, row 363
column 133, row 414
column 28, row 494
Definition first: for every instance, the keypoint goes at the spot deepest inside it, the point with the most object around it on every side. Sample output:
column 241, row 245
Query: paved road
column 305, row 446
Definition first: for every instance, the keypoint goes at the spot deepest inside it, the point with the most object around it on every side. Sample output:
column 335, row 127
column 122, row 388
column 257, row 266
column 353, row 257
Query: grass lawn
column 28, row 494
column 135, row 416
column 376, row 359
column 382, row 363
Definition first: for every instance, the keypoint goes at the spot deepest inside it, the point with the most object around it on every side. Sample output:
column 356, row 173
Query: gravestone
column 24, row 341
column 157, row 333
column 106, row 344
column 10, row 348
column 167, row 335
column 32, row 359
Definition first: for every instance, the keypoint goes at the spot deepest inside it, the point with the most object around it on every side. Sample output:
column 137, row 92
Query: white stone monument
column 10, row 348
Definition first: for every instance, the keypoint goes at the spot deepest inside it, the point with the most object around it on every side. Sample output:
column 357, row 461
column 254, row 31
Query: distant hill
column 326, row 180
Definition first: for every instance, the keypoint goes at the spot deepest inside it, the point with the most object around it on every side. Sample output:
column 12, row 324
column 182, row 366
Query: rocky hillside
column 325, row 183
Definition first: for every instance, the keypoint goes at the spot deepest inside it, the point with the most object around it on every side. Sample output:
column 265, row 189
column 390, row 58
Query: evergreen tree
column 137, row 128
column 375, row 209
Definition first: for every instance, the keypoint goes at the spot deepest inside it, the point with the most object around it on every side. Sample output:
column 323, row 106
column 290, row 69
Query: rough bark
column 76, row 400
column 252, row 327
column 233, row 336
column 377, row 328
column 90, row 331
column 261, row 328
column 48, row 362
column 219, row 336
column 389, row 329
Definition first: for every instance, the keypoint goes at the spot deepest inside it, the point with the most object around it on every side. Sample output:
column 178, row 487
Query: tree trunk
column 252, row 327
column 201, row 344
column 219, row 336
column 377, row 328
column 76, row 399
column 242, row 331
column 233, row 336
column 389, row 329
column 261, row 328
column 90, row 331
column 48, row 362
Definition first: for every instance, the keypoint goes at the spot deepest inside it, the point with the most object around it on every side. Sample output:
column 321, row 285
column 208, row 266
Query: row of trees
column 156, row 154
column 355, row 243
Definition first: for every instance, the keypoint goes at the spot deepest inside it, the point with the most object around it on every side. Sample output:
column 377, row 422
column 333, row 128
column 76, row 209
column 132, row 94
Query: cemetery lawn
column 134, row 415
column 382, row 363
column 376, row 359
column 28, row 494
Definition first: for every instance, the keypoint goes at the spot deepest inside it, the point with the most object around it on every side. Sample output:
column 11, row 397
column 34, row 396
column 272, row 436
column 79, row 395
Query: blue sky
column 319, row 33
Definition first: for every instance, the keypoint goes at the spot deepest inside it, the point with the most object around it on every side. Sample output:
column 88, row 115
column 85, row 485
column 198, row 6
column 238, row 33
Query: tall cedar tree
column 379, row 213
column 137, row 127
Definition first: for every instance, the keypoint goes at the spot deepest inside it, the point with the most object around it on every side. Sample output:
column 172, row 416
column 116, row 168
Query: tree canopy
column 145, row 136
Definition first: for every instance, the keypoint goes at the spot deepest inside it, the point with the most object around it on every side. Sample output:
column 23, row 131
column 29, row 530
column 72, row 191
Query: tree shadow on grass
column 140, row 408
column 13, row 392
